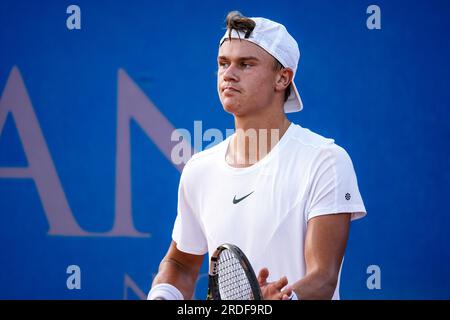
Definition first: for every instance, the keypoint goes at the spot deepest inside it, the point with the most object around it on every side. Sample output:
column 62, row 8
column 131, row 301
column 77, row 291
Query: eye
column 245, row 65
column 223, row 64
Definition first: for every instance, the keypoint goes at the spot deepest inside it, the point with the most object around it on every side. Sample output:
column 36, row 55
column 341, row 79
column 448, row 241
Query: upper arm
column 179, row 269
column 333, row 185
column 191, row 263
column 326, row 239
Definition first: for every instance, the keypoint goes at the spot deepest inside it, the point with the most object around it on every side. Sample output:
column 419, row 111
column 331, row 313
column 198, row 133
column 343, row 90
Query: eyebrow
column 239, row 59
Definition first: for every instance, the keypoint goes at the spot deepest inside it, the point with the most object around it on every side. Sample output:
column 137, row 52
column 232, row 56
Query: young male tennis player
column 283, row 194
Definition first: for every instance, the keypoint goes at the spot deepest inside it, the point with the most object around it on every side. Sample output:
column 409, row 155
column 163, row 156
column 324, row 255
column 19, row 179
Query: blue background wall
column 382, row 94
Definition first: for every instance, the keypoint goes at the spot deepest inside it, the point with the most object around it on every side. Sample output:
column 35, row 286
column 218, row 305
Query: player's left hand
column 273, row 290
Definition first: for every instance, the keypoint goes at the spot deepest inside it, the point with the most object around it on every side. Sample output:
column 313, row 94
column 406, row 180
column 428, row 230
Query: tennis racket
column 231, row 277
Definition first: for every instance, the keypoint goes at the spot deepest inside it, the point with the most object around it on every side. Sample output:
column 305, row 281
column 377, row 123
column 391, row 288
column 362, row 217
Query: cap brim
column 294, row 102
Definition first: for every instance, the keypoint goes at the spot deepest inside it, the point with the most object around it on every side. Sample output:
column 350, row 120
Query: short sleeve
column 333, row 185
column 187, row 231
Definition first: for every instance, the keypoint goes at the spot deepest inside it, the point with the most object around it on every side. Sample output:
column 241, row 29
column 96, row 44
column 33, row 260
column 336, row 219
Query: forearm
column 316, row 285
column 172, row 272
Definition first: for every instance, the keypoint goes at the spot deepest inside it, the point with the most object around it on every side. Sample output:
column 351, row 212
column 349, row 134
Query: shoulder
column 205, row 160
column 307, row 138
column 318, row 147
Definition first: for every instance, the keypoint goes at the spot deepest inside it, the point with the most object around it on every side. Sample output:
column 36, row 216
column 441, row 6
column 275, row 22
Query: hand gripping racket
column 231, row 277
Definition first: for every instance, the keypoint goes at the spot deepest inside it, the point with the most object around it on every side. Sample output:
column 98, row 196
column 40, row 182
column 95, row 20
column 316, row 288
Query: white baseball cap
column 276, row 40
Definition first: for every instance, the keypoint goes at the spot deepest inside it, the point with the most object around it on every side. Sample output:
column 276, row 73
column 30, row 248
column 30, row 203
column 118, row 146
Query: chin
column 237, row 109
column 234, row 110
column 230, row 106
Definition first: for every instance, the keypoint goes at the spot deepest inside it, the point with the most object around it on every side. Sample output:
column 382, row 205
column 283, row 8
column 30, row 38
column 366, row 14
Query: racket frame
column 213, row 277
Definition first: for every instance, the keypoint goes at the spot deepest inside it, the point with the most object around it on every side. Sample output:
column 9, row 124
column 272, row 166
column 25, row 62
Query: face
column 246, row 77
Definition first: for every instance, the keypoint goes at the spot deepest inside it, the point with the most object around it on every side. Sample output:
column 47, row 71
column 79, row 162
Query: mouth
column 229, row 89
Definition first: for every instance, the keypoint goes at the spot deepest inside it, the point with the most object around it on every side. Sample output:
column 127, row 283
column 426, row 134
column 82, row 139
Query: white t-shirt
column 305, row 175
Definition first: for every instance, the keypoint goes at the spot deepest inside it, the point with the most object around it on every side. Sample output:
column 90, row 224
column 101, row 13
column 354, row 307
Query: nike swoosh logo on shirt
column 240, row 199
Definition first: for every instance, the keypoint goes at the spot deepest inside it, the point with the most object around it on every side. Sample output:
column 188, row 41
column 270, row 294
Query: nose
column 230, row 74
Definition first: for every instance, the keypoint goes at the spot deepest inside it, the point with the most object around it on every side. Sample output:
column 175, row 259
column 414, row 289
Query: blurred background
column 91, row 94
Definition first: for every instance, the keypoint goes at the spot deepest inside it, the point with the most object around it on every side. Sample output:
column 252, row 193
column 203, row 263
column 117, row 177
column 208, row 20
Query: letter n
column 133, row 104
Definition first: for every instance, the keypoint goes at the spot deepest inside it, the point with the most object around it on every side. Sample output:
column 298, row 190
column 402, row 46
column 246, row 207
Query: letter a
column 74, row 20
column 373, row 21
column 41, row 168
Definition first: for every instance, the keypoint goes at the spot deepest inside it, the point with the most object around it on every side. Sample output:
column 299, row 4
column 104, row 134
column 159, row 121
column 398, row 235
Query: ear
column 283, row 79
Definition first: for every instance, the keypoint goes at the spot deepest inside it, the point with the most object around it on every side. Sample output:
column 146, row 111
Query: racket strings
column 232, row 279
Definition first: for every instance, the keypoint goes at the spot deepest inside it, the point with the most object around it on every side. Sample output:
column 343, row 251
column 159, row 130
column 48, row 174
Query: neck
column 255, row 137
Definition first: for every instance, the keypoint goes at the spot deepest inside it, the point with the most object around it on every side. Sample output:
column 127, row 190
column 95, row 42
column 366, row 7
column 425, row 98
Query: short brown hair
column 236, row 21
